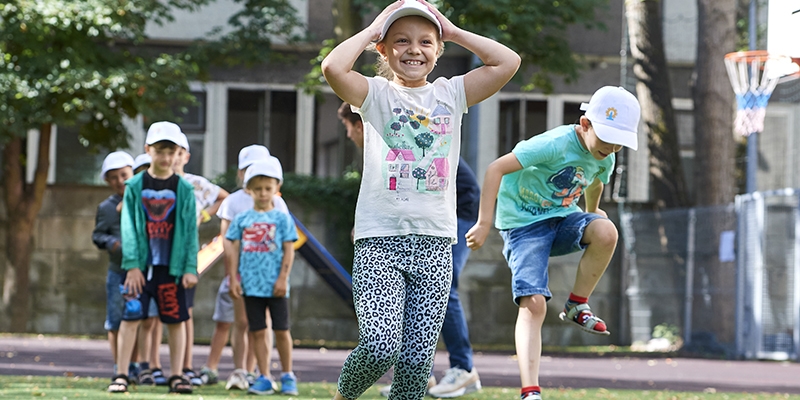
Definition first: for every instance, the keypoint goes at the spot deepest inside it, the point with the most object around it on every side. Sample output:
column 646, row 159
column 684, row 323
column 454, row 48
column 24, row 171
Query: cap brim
column 408, row 11
column 613, row 135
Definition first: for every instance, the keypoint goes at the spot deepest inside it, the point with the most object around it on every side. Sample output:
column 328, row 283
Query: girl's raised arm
column 499, row 62
column 337, row 67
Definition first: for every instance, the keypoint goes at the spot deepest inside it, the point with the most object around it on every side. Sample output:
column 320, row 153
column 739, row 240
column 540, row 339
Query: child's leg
column 283, row 341
column 258, row 339
column 279, row 311
column 428, row 273
column 528, row 337
column 188, row 356
column 218, row 341
column 600, row 238
column 156, row 337
column 145, row 340
column 112, row 341
column 379, row 311
column 256, row 309
column 125, row 342
column 239, row 334
column 264, row 342
column 176, row 335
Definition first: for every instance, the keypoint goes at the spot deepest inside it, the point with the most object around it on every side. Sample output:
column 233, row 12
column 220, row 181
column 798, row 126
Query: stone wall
column 68, row 284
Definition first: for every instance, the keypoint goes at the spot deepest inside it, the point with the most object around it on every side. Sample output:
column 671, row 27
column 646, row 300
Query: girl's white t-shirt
column 412, row 141
column 205, row 192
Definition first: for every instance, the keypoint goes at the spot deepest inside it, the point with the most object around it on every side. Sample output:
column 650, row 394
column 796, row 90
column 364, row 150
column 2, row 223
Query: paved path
column 46, row 355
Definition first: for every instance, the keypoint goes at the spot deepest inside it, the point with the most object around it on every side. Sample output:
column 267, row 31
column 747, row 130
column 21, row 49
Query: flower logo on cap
column 611, row 113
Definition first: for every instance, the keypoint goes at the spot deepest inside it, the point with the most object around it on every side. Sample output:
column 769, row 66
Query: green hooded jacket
column 133, row 227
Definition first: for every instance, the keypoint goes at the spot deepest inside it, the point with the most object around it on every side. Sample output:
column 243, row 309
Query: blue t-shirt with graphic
column 556, row 169
column 158, row 200
column 262, row 235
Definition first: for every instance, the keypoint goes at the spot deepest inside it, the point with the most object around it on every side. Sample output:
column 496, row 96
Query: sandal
column 146, row 378
column 582, row 315
column 119, row 387
column 179, row 384
column 192, row 376
column 158, row 377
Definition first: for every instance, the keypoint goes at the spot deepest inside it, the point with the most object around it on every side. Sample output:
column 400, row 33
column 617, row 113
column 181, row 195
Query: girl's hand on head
column 377, row 25
column 449, row 29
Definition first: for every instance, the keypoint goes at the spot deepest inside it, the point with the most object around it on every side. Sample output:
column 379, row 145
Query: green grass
column 50, row 387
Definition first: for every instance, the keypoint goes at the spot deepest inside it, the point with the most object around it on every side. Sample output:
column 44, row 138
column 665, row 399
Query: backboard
column 783, row 24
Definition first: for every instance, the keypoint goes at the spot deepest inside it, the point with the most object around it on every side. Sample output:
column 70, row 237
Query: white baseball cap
column 164, row 130
column 614, row 113
column 184, row 142
column 409, row 8
column 142, row 159
column 116, row 160
column 251, row 154
column 270, row 167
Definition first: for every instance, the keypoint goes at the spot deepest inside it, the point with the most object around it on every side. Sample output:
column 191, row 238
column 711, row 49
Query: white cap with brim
column 142, row 159
column 165, row 131
column 614, row 113
column 116, row 160
column 251, row 154
column 270, row 167
column 184, row 142
column 410, row 8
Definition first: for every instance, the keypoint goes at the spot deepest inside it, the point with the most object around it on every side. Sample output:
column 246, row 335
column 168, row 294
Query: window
column 75, row 163
column 264, row 117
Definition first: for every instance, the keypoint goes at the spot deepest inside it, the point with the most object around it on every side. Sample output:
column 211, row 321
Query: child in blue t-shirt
column 537, row 187
column 263, row 252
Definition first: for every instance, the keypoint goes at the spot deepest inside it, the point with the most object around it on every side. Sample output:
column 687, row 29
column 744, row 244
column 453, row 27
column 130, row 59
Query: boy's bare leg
column 125, row 342
column 112, row 341
column 218, row 341
column 176, row 335
column 239, row 333
column 528, row 338
column 264, row 338
column 600, row 236
column 187, row 358
column 250, row 358
column 283, row 341
column 259, row 344
column 157, row 335
column 145, row 340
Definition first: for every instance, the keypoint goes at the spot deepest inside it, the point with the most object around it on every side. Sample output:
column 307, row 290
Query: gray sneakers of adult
column 456, row 382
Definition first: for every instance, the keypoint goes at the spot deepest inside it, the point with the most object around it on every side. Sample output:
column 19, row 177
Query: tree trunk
column 715, row 150
column 23, row 202
column 715, row 147
column 653, row 89
column 347, row 19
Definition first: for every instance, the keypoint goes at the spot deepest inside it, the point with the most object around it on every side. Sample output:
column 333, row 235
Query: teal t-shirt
column 556, row 169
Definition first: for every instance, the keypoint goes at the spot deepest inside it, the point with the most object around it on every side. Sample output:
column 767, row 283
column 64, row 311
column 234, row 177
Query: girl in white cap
column 537, row 187
column 406, row 214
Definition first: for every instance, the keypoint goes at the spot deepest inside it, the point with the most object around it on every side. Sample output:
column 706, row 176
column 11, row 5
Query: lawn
column 49, row 387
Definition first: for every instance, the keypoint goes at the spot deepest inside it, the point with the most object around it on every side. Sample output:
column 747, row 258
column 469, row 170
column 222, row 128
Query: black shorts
column 256, row 309
column 190, row 296
column 169, row 296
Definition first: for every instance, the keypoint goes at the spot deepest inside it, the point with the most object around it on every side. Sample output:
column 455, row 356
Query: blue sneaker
column 289, row 384
column 261, row 386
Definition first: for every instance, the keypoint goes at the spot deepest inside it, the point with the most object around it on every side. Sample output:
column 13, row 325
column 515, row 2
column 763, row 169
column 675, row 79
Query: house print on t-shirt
column 418, row 147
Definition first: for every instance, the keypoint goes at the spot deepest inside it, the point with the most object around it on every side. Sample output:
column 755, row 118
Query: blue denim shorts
column 115, row 305
column 527, row 250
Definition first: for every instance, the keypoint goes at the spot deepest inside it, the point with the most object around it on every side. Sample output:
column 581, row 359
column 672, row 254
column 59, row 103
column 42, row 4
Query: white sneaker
column 237, row 380
column 384, row 391
column 456, row 382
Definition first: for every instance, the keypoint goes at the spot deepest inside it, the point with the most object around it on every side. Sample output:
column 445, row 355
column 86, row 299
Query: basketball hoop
column 754, row 75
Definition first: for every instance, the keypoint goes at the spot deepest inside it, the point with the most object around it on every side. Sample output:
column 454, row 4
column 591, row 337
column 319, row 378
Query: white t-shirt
column 205, row 192
column 239, row 201
column 412, row 141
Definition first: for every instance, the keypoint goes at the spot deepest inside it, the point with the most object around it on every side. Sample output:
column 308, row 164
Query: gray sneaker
column 456, row 382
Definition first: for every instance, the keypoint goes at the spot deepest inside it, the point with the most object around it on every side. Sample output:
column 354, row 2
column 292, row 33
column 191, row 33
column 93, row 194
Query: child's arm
column 212, row 209
column 102, row 226
column 592, row 197
column 282, row 284
column 337, row 67
column 231, row 249
column 499, row 62
column 506, row 164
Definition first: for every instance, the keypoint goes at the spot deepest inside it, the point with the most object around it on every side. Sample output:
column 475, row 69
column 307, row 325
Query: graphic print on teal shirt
column 262, row 235
column 419, row 144
column 158, row 206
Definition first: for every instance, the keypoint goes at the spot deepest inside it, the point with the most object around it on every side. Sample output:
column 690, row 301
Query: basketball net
column 754, row 75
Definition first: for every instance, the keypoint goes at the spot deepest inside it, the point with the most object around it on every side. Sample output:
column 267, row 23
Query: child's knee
column 602, row 232
column 535, row 306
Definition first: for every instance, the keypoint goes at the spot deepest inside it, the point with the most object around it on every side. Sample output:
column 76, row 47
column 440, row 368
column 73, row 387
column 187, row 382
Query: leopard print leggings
column 400, row 289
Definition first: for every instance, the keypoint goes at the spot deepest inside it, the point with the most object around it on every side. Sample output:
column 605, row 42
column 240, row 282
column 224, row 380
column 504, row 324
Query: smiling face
column 598, row 148
column 411, row 48
column 116, row 179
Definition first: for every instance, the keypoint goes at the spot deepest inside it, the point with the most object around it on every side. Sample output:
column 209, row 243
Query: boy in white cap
column 141, row 163
column 230, row 311
column 117, row 168
column 259, row 249
column 159, row 251
column 537, row 187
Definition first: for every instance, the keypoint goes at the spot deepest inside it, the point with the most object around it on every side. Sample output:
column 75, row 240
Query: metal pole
column 752, row 140
column 689, row 297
